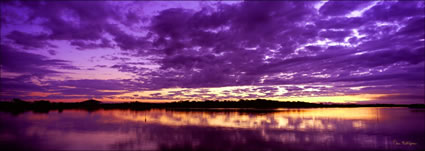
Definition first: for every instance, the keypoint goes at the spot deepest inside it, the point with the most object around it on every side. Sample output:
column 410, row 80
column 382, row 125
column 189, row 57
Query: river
column 159, row 129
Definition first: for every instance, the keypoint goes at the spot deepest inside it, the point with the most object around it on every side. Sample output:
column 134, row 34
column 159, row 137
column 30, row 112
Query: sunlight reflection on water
column 283, row 119
column 284, row 129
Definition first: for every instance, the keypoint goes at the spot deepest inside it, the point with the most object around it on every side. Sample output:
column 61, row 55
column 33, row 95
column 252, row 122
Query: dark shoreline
column 18, row 106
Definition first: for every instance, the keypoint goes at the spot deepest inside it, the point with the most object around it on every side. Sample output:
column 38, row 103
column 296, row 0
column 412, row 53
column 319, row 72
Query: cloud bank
column 213, row 50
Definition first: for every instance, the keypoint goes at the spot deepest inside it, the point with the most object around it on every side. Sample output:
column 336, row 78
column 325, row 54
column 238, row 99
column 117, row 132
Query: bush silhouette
column 17, row 106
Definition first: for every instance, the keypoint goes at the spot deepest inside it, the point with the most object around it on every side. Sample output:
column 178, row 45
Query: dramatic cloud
column 29, row 63
column 217, row 50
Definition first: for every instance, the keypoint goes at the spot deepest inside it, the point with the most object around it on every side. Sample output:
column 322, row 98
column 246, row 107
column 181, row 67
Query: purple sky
column 160, row 51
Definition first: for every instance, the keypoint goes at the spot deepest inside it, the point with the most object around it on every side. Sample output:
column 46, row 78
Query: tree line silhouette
column 17, row 106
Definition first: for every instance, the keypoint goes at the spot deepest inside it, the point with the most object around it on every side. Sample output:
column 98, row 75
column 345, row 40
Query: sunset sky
column 156, row 51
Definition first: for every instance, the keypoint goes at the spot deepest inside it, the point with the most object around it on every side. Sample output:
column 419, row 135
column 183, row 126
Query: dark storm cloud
column 125, row 41
column 341, row 23
column 335, row 8
column 392, row 11
column 82, row 45
column 335, row 35
column 128, row 68
column 80, row 89
column 247, row 43
column 29, row 41
column 220, row 48
column 52, row 52
column 16, row 61
column 91, row 84
column 232, row 49
column 19, row 86
column 206, row 43
column 71, row 20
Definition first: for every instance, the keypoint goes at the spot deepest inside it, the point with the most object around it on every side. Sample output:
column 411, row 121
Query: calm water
column 287, row 129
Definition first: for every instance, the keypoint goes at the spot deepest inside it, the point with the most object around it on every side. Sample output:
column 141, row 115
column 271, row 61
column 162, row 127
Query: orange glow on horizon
column 42, row 94
column 316, row 99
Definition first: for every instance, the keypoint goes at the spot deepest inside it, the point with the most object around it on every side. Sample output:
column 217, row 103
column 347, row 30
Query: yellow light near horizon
column 311, row 99
column 234, row 96
column 334, row 99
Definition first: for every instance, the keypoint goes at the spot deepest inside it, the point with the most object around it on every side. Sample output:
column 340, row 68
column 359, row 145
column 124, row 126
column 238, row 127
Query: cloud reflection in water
column 287, row 129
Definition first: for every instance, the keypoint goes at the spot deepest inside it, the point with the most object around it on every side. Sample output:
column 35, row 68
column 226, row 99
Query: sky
column 161, row 51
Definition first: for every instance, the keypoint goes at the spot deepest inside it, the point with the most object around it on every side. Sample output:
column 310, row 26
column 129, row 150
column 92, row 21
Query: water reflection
column 286, row 129
column 299, row 119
